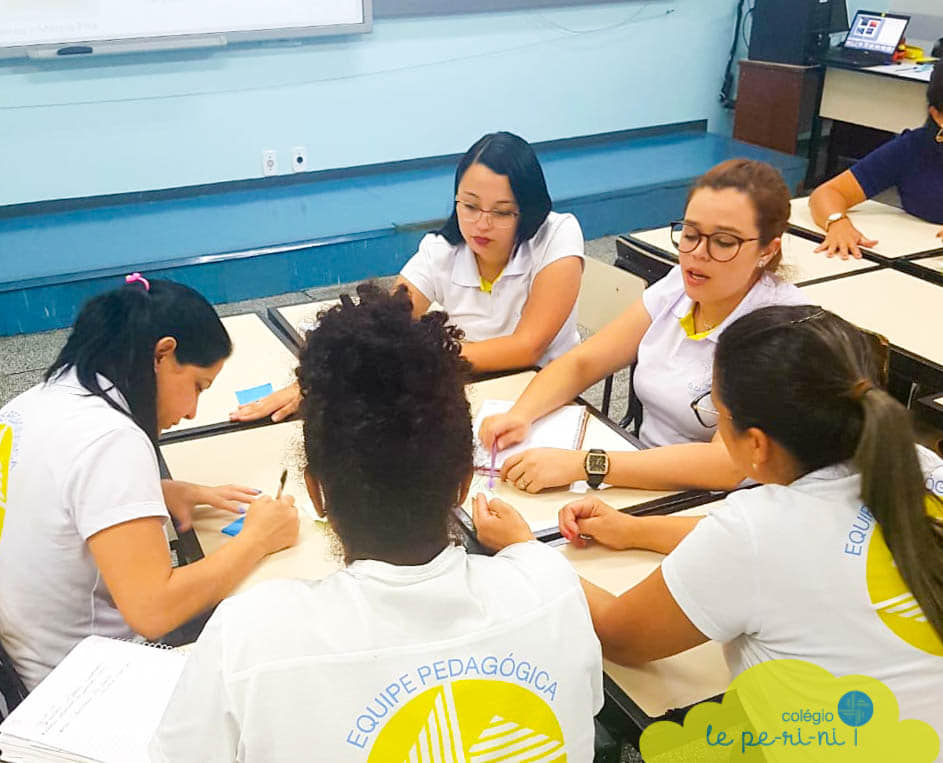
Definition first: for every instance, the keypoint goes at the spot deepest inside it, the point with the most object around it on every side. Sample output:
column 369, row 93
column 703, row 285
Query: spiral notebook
column 101, row 704
column 563, row 428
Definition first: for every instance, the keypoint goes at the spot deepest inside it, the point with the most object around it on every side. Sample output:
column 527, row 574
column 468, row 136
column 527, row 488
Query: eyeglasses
column 706, row 410
column 500, row 218
column 721, row 246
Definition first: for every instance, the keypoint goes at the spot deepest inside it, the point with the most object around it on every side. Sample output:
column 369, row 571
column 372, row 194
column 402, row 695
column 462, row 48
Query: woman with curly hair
column 415, row 645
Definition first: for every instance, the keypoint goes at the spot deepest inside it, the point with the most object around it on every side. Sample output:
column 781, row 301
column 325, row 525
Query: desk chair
column 605, row 292
column 12, row 690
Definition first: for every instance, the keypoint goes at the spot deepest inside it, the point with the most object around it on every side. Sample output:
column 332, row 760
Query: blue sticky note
column 234, row 528
column 253, row 393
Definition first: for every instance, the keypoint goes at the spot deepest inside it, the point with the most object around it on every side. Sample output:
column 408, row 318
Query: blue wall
column 414, row 87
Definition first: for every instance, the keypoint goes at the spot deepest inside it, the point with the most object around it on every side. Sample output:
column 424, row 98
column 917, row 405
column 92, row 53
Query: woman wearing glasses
column 504, row 267
column 729, row 251
column 834, row 560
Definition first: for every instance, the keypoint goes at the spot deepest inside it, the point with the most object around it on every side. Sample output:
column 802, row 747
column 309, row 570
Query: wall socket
column 270, row 162
column 299, row 159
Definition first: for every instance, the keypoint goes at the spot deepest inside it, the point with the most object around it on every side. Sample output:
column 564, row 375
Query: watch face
column 597, row 463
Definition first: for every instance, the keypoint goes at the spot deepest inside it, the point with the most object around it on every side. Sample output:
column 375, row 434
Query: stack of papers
column 101, row 704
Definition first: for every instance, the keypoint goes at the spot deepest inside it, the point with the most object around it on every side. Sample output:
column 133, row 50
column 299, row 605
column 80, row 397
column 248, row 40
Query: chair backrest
column 12, row 690
column 605, row 292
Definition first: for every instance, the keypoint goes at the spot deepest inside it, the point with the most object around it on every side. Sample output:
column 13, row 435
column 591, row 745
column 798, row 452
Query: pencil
column 281, row 484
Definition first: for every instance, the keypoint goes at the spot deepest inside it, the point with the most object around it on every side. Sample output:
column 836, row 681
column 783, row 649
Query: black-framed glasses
column 500, row 218
column 721, row 246
column 705, row 410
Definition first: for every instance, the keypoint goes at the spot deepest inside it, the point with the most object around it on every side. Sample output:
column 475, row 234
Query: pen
column 494, row 455
column 281, row 484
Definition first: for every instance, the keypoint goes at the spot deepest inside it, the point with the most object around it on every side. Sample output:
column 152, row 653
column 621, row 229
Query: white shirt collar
column 451, row 556
column 69, row 378
column 765, row 283
column 465, row 269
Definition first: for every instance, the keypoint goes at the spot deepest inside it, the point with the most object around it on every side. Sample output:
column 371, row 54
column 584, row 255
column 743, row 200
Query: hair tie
column 860, row 389
column 137, row 277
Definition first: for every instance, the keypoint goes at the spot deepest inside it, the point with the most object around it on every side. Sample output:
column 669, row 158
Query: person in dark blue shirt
column 913, row 161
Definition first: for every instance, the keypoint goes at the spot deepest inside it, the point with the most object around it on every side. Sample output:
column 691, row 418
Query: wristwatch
column 834, row 218
column 597, row 466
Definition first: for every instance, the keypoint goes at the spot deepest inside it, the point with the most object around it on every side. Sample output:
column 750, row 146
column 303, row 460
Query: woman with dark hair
column 82, row 507
column 416, row 650
column 504, row 267
column 729, row 253
column 913, row 161
column 836, row 559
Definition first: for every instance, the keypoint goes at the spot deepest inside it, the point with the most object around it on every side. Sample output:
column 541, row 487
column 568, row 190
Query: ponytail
column 892, row 488
column 812, row 382
column 115, row 334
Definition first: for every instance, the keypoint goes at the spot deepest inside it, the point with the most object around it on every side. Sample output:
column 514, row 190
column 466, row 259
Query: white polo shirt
column 802, row 571
column 467, row 653
column 673, row 369
column 70, row 466
column 449, row 275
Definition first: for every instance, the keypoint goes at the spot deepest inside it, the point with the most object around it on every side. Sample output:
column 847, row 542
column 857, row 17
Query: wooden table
column 649, row 691
column 255, row 458
column 541, row 509
column 259, row 356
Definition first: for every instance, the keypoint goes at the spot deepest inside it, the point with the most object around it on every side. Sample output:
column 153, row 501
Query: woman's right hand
column 591, row 518
column 280, row 405
column 507, row 428
column 272, row 523
column 844, row 239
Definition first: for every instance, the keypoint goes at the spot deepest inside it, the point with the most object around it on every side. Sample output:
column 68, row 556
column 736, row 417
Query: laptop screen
column 876, row 32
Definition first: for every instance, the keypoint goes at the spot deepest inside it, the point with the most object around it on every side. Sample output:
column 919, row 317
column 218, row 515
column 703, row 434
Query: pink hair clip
column 138, row 277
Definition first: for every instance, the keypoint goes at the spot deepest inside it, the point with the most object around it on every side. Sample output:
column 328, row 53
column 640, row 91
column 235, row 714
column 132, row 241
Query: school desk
column 644, row 693
column 928, row 268
column 259, row 357
column 904, row 309
column 540, row 509
column 297, row 320
column 875, row 97
column 650, row 255
column 898, row 234
column 255, row 458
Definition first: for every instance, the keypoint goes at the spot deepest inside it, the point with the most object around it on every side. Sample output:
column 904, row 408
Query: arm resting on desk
column 839, row 194
column 643, row 624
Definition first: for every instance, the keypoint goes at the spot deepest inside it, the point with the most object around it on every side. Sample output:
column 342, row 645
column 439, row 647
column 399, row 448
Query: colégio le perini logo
column 791, row 710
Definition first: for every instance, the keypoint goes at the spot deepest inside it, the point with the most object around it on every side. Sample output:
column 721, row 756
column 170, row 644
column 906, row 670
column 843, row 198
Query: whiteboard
column 64, row 27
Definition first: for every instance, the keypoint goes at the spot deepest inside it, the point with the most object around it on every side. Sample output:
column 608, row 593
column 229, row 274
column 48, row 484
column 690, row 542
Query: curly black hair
column 387, row 427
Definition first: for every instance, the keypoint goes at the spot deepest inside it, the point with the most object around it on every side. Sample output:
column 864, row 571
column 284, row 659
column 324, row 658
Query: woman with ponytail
column 836, row 559
column 82, row 507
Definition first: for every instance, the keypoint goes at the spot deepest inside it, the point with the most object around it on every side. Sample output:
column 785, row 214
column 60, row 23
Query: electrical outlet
column 270, row 162
column 299, row 159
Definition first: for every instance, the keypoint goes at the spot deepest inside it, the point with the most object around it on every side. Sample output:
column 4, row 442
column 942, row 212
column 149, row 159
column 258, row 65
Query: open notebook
column 563, row 428
column 101, row 704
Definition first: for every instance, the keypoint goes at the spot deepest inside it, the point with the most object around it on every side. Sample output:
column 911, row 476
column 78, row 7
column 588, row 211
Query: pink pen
column 494, row 455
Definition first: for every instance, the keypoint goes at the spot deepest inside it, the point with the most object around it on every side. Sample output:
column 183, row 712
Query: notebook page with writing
column 101, row 703
column 563, row 428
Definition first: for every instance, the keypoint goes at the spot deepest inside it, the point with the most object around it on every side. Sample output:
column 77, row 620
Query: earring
column 754, row 466
column 939, row 135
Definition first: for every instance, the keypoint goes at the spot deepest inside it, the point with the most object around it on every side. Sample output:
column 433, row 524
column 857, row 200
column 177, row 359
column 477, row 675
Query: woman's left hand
column 183, row 497
column 498, row 524
column 540, row 468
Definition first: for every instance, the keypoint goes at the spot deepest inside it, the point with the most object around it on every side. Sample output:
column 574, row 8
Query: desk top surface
column 907, row 70
column 540, row 510
column 898, row 234
column 255, row 458
column 258, row 357
column 904, row 308
column 678, row 681
column 802, row 263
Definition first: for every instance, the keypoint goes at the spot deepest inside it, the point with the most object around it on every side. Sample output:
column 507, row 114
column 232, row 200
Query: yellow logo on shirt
column 892, row 599
column 6, row 456
column 472, row 721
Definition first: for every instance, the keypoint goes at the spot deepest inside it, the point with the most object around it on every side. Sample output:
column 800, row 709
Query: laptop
column 871, row 40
